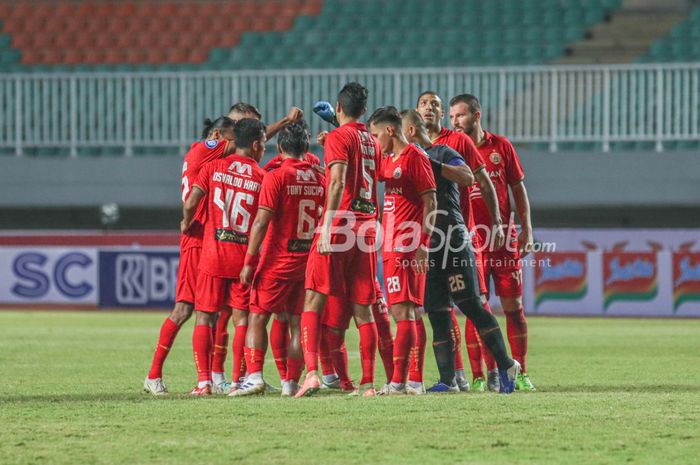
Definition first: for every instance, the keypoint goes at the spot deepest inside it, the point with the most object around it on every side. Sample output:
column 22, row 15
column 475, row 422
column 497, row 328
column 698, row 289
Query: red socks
column 338, row 353
column 310, row 339
column 386, row 340
column 201, row 346
column 220, row 342
column 279, row 342
column 405, row 340
column 516, row 326
column 239, row 366
column 294, row 369
column 415, row 370
column 457, row 341
column 326, row 348
column 488, row 358
column 368, row 351
column 168, row 331
column 254, row 359
column 474, row 349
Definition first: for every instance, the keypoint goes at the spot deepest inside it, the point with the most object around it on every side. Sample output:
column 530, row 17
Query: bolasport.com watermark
column 446, row 245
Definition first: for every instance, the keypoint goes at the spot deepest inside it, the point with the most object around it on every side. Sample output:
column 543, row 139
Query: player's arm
column 429, row 200
column 454, row 171
column 488, row 193
column 336, row 185
column 295, row 114
column 522, row 205
column 190, row 207
column 257, row 233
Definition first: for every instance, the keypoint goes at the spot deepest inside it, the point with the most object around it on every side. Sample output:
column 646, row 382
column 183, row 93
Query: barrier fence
column 132, row 112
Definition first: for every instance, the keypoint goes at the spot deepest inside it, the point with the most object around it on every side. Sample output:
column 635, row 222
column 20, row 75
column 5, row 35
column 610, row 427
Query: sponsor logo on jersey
column 211, row 143
column 686, row 277
column 629, row 276
column 243, row 169
column 389, row 204
column 563, row 278
column 495, row 158
column 306, row 176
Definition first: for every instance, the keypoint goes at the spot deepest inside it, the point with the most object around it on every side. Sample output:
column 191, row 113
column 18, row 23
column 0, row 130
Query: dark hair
column 294, row 139
column 471, row 101
column 353, row 99
column 222, row 122
column 245, row 108
column 427, row 92
column 413, row 117
column 247, row 131
column 389, row 115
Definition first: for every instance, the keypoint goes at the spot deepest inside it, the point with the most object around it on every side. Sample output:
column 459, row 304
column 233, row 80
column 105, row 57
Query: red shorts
column 480, row 272
column 276, row 296
column 337, row 313
column 215, row 294
column 402, row 282
column 351, row 273
column 505, row 269
column 187, row 274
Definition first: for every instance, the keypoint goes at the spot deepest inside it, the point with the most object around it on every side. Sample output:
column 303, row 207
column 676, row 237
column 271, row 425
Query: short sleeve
column 204, row 176
column 422, row 173
column 335, row 148
column 514, row 171
column 270, row 191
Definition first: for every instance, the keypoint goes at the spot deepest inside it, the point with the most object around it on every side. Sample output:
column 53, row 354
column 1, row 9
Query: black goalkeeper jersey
column 449, row 215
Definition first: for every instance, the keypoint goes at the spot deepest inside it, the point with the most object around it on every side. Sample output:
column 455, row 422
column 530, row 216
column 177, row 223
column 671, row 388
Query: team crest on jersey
column 397, row 173
column 242, row 169
column 211, row 143
column 306, row 176
column 495, row 158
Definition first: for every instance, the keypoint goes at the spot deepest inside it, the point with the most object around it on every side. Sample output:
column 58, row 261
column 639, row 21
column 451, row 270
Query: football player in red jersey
column 431, row 109
column 291, row 198
column 407, row 224
column 231, row 187
column 343, row 259
column 217, row 143
column 501, row 264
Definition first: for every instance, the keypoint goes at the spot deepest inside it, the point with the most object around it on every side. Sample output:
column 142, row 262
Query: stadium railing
column 139, row 113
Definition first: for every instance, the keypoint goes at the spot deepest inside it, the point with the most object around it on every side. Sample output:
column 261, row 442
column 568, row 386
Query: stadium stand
column 272, row 34
column 682, row 44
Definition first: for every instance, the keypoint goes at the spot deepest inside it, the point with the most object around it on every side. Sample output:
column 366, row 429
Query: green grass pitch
column 609, row 391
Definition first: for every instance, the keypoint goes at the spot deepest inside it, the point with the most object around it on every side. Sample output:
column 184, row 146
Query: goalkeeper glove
column 326, row 112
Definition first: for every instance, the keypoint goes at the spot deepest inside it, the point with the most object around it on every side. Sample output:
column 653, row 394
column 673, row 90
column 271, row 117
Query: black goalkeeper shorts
column 451, row 280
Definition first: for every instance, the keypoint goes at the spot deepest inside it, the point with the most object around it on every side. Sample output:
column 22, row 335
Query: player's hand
column 184, row 226
column 321, row 138
column 525, row 242
column 326, row 111
column 420, row 260
column 499, row 237
column 295, row 115
column 246, row 275
column 324, row 243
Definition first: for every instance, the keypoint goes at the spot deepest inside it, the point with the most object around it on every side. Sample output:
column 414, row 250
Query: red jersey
column 277, row 161
column 232, row 185
column 407, row 177
column 294, row 192
column 503, row 167
column 463, row 145
column 200, row 153
column 352, row 144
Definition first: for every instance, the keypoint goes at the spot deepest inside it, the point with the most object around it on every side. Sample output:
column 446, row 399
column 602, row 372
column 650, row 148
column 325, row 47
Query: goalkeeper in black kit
column 452, row 275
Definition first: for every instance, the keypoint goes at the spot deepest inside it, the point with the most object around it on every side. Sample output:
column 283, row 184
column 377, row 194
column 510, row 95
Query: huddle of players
column 296, row 238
